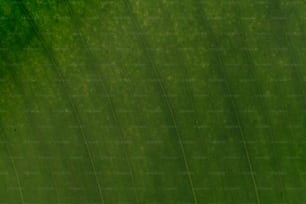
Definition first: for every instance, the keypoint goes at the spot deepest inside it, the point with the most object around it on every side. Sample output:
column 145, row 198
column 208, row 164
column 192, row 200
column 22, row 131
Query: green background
column 152, row 101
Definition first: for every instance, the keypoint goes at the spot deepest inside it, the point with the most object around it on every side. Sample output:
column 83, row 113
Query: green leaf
column 152, row 102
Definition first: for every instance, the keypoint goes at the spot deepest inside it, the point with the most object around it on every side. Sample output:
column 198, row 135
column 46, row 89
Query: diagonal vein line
column 15, row 172
column 94, row 62
column 51, row 56
column 143, row 44
column 261, row 101
column 181, row 60
column 293, row 55
column 17, row 177
column 26, row 100
column 227, row 89
column 2, row 135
